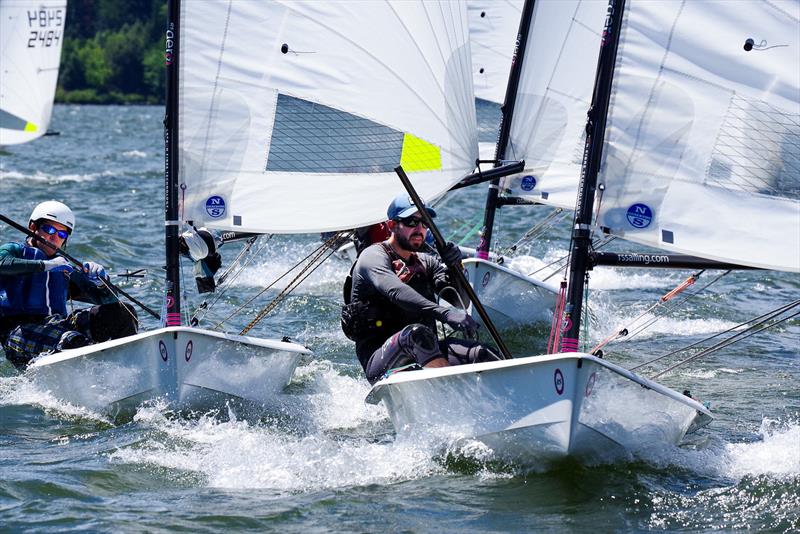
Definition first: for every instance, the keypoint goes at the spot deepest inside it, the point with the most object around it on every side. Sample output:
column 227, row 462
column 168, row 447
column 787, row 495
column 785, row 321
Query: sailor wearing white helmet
column 35, row 285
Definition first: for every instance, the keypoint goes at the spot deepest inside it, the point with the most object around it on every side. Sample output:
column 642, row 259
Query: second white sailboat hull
column 541, row 408
column 511, row 299
column 190, row 368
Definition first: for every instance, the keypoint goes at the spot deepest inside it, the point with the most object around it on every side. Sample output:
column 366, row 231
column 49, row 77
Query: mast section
column 592, row 153
column 171, row 59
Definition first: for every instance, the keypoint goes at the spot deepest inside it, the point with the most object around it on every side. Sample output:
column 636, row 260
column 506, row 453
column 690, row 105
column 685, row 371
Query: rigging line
column 129, row 312
column 316, row 252
column 622, row 331
column 472, row 232
column 676, row 304
column 307, row 271
column 536, row 230
column 240, row 308
column 730, row 341
column 760, row 319
column 234, row 264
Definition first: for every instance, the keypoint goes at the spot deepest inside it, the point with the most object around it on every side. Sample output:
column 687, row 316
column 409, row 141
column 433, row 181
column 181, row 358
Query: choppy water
column 326, row 461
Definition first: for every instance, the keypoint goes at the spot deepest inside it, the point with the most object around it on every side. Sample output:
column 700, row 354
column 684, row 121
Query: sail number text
column 45, row 27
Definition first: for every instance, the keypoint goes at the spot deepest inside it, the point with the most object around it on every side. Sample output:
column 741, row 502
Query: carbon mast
column 592, row 153
column 172, row 304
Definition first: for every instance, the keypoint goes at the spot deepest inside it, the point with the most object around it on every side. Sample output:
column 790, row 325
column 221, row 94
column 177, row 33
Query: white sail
column 294, row 114
column 493, row 27
column 702, row 146
column 31, row 35
column 555, row 91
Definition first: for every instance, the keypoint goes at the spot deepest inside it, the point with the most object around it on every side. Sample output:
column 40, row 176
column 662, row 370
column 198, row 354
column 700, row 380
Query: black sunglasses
column 50, row 230
column 412, row 222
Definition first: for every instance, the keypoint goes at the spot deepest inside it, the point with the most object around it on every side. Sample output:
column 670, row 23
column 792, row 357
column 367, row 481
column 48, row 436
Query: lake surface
column 325, row 460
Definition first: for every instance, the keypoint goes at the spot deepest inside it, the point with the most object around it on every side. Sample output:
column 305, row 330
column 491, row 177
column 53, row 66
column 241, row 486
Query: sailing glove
column 59, row 264
column 95, row 273
column 451, row 254
column 460, row 320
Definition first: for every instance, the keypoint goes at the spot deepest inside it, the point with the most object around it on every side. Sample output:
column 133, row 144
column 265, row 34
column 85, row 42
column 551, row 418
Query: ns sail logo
column 639, row 215
column 215, row 206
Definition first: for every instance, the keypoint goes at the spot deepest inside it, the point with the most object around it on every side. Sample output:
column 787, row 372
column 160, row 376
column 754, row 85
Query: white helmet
column 54, row 211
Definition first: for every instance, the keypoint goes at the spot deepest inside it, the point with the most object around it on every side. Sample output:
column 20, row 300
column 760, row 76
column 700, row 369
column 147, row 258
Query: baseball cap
column 402, row 206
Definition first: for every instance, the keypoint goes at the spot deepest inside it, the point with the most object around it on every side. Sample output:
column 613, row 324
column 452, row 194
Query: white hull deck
column 511, row 299
column 541, row 408
column 190, row 368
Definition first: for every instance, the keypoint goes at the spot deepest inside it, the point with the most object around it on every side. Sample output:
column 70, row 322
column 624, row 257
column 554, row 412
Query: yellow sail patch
column 30, row 127
column 419, row 155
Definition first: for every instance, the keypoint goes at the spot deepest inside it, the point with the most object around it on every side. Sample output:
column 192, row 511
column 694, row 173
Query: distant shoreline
column 90, row 96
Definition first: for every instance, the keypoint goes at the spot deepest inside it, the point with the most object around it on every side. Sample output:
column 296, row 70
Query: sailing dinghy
column 283, row 117
column 684, row 117
column 31, row 36
column 191, row 368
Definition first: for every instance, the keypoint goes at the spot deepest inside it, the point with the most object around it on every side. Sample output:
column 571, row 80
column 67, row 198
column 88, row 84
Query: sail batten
column 321, row 101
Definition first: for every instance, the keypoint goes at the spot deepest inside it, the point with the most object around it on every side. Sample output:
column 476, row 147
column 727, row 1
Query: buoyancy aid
column 377, row 317
column 40, row 293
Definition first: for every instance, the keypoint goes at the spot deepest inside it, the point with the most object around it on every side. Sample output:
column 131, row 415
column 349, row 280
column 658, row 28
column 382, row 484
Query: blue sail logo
column 528, row 183
column 639, row 215
column 215, row 206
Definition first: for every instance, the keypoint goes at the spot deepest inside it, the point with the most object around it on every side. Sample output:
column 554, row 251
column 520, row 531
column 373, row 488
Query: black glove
column 451, row 254
column 461, row 320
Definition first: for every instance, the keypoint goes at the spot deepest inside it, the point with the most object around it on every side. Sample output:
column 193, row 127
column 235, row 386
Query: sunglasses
column 412, row 222
column 50, row 230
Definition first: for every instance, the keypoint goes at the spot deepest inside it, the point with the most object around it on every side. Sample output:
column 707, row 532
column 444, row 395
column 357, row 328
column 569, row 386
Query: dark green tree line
column 113, row 52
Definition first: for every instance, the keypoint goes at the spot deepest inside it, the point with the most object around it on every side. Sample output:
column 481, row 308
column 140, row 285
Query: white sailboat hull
column 541, row 408
column 190, row 368
column 511, row 299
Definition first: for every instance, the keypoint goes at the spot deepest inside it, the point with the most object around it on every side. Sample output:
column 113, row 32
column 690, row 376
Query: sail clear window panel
column 758, row 150
column 304, row 141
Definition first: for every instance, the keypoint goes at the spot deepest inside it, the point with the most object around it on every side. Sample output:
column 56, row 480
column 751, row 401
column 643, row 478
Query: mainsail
column 702, row 145
column 492, row 27
column 31, row 35
column 294, row 114
column 554, row 93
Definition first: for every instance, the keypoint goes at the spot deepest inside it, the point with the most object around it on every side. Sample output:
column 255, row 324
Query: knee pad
column 420, row 342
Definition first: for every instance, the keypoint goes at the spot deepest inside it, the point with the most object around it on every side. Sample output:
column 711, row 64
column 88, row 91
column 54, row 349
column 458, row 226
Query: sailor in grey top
column 392, row 309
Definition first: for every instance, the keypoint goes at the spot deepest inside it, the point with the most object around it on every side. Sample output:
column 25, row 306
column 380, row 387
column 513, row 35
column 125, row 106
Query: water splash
column 318, row 452
column 20, row 391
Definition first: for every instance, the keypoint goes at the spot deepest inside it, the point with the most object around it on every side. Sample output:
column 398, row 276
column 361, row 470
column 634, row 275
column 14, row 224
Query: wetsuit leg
column 461, row 351
column 414, row 344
